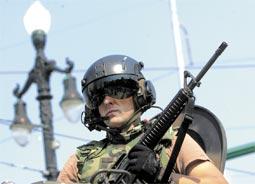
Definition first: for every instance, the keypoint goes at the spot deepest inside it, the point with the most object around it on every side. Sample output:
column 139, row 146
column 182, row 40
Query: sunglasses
column 117, row 92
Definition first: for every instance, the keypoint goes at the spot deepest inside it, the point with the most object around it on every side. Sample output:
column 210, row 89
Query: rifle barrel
column 217, row 53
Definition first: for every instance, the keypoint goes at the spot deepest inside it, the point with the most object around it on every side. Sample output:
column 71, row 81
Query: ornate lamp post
column 37, row 23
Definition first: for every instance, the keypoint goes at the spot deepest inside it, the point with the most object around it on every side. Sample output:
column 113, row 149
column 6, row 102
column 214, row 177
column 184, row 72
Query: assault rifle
column 119, row 173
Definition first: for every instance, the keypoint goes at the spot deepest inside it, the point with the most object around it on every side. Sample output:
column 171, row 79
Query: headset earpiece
column 150, row 92
column 146, row 95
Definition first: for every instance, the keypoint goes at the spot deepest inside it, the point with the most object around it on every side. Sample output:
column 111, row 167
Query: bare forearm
column 184, row 179
column 179, row 178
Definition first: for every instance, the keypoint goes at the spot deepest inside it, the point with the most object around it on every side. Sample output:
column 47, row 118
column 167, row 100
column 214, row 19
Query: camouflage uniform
column 103, row 154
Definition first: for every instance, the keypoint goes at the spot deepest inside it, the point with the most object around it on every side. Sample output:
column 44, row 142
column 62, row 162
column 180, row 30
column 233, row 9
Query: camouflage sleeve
column 69, row 172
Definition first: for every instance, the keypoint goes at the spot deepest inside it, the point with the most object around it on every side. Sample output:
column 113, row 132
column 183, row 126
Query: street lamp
column 37, row 22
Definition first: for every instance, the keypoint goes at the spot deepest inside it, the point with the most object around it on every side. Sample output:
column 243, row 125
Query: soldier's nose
column 107, row 100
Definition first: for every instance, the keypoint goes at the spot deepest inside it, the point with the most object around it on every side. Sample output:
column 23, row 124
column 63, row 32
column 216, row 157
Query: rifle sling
column 188, row 118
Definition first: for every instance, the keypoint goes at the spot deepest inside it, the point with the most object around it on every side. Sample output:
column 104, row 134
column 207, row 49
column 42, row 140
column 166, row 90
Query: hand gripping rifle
column 152, row 137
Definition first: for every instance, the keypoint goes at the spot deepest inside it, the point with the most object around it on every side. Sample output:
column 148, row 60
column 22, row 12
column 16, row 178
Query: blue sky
column 85, row 31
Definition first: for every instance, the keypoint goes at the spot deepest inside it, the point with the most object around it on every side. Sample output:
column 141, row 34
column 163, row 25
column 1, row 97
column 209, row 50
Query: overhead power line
column 87, row 22
column 241, row 171
column 238, row 128
column 66, row 136
column 5, row 122
column 6, row 139
column 9, row 164
column 8, row 122
column 171, row 68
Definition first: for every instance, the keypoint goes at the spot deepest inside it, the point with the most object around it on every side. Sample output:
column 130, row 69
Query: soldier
column 116, row 94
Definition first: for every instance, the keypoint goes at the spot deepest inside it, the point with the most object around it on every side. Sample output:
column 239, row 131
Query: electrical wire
column 241, row 171
column 65, row 136
column 9, row 164
column 88, row 22
column 8, row 122
column 21, row 167
column 6, row 139
column 148, row 69
column 240, row 128
column 5, row 122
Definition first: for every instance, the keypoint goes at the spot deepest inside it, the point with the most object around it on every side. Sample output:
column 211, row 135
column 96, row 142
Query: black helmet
column 121, row 72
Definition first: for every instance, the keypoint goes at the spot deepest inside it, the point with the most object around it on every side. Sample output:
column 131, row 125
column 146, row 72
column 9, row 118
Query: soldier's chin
column 112, row 123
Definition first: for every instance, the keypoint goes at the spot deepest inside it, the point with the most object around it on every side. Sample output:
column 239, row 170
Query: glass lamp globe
column 21, row 126
column 72, row 102
column 21, row 135
column 72, row 110
column 37, row 17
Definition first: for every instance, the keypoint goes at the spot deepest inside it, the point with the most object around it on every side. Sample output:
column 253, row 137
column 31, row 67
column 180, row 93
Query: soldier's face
column 116, row 111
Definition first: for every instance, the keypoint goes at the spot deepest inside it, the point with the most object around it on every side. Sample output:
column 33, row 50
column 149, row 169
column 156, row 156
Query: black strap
column 188, row 118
